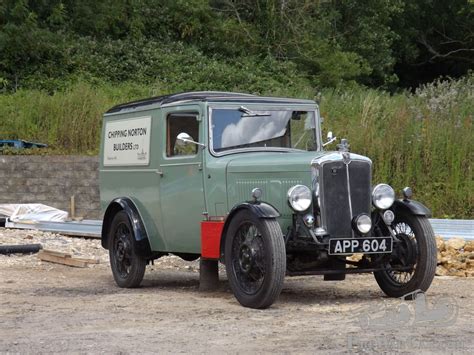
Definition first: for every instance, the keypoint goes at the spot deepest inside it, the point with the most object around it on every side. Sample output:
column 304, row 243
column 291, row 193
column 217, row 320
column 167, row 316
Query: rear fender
column 142, row 244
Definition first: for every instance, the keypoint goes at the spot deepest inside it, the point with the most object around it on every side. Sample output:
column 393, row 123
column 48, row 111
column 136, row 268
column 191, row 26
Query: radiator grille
column 345, row 193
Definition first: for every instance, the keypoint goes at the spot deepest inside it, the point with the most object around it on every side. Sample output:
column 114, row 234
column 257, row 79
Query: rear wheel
column 416, row 249
column 255, row 259
column 128, row 268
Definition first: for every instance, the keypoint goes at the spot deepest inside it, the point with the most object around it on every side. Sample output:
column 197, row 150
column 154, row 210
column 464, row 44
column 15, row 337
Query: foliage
column 434, row 38
column 48, row 43
column 422, row 139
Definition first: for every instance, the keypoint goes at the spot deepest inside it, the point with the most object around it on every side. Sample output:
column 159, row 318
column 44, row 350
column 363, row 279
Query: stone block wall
column 52, row 180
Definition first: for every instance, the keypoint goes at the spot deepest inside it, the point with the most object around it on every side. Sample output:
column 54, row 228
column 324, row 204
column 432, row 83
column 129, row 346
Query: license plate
column 344, row 246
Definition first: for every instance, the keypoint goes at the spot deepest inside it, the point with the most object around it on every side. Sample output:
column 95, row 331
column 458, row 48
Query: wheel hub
column 405, row 251
column 122, row 248
column 246, row 258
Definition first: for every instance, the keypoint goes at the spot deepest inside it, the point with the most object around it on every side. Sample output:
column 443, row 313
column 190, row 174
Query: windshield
column 242, row 128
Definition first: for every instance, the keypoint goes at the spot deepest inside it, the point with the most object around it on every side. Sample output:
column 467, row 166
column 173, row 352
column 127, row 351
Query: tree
column 25, row 47
column 436, row 38
column 298, row 31
column 364, row 27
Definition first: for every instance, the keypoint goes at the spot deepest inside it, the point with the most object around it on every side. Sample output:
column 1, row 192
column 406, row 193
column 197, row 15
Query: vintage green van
column 248, row 181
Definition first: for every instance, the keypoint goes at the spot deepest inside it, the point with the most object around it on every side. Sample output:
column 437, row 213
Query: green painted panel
column 141, row 184
column 182, row 191
column 142, row 188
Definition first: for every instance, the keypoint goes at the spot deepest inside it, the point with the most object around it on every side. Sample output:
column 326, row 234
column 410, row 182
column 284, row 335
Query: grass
column 423, row 140
column 68, row 121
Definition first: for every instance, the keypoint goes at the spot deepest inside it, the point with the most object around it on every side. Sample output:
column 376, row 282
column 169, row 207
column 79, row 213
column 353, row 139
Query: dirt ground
column 50, row 308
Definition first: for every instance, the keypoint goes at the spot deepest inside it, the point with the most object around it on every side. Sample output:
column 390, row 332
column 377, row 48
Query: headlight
column 363, row 223
column 388, row 217
column 299, row 197
column 383, row 196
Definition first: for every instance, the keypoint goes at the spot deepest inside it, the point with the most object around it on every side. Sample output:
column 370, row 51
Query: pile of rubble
column 455, row 257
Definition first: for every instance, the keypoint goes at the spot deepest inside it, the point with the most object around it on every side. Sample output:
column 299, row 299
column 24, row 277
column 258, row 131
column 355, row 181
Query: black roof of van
column 201, row 96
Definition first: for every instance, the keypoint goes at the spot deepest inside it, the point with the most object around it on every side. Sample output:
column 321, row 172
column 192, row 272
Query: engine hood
column 272, row 162
column 274, row 173
column 283, row 162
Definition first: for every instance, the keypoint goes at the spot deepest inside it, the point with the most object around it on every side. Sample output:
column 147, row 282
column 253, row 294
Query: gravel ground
column 50, row 308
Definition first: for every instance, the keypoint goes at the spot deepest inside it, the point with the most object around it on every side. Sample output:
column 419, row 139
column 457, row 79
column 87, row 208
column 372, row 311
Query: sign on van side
column 127, row 142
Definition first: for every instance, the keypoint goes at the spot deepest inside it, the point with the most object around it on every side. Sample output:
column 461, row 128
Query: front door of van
column 181, row 185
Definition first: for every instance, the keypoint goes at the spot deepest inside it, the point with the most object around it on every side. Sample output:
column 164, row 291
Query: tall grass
column 423, row 140
column 69, row 121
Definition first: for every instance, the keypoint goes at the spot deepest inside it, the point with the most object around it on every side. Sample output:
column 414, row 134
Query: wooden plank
column 61, row 260
column 57, row 253
column 87, row 260
column 63, row 255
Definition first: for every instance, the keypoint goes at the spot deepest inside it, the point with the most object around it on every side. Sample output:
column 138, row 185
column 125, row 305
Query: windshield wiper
column 250, row 113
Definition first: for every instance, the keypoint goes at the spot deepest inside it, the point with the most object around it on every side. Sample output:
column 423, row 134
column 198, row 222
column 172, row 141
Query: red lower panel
column 210, row 239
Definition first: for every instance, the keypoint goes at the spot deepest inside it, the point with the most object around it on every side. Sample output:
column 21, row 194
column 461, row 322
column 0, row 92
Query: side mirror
column 330, row 139
column 184, row 139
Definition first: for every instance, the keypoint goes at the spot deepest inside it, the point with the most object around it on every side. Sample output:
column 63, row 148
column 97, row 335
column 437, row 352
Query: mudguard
column 142, row 244
column 414, row 207
column 260, row 209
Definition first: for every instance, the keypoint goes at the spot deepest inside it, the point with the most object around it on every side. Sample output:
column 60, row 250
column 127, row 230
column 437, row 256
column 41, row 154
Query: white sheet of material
column 8, row 209
column 32, row 212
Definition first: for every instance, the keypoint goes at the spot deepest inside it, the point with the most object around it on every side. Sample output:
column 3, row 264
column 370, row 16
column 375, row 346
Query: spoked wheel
column 414, row 253
column 255, row 259
column 127, row 267
column 248, row 258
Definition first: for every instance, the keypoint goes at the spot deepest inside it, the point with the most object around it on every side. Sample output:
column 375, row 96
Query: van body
column 247, row 180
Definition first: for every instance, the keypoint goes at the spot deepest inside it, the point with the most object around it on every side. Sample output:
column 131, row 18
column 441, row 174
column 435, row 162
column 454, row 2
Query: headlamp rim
column 289, row 197
column 356, row 223
column 376, row 202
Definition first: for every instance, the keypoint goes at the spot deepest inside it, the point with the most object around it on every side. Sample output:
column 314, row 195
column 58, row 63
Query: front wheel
column 415, row 250
column 127, row 267
column 255, row 259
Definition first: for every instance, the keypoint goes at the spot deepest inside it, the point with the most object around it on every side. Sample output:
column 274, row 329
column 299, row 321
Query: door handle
column 159, row 173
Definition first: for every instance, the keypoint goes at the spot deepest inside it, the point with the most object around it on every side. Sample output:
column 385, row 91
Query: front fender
column 414, row 207
column 260, row 209
column 142, row 244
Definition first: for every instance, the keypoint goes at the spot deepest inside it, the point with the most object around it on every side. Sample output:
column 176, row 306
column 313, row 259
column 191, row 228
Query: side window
column 181, row 123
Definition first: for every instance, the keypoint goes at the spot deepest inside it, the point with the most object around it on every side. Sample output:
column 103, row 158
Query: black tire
column 128, row 268
column 255, row 261
column 420, row 247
